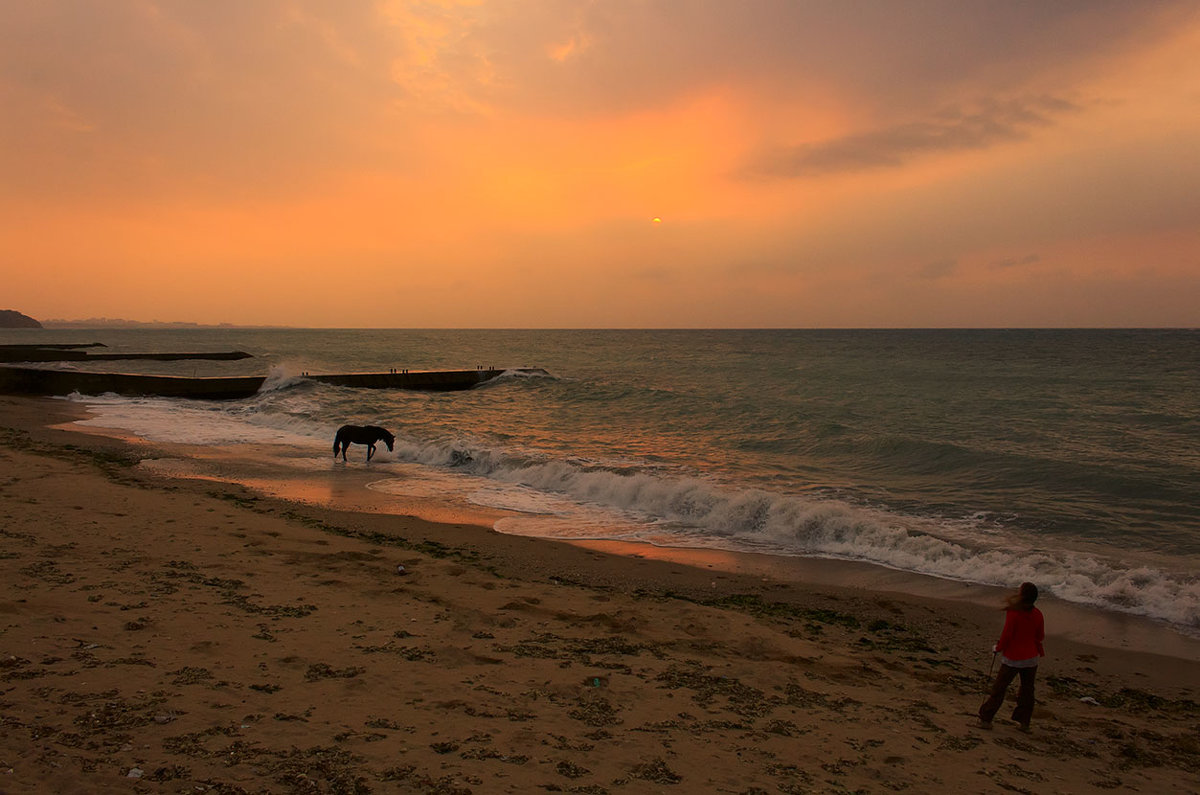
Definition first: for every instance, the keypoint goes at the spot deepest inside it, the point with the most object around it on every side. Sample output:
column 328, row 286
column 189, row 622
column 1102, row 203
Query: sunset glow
column 483, row 164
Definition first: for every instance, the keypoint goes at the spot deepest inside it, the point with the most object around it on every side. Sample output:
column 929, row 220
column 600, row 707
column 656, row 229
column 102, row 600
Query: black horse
column 361, row 434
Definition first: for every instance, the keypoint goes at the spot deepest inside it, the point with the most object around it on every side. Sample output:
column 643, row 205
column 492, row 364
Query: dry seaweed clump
column 317, row 769
column 656, row 772
column 596, row 712
column 571, row 770
column 798, row 696
column 1181, row 751
column 1125, row 698
column 190, row 675
column 318, row 671
column 423, row 782
column 320, row 769
column 742, row 699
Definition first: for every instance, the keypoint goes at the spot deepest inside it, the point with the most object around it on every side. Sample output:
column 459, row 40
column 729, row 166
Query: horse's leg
column 370, row 452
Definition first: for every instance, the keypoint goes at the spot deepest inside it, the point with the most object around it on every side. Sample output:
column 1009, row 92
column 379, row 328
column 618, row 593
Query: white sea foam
column 281, row 376
column 193, row 422
column 697, row 512
column 525, row 372
column 559, row 497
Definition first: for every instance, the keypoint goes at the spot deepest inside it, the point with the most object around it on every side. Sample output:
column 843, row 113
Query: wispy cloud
column 939, row 269
column 953, row 130
column 1016, row 262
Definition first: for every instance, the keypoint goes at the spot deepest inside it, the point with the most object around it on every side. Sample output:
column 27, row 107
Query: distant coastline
column 108, row 322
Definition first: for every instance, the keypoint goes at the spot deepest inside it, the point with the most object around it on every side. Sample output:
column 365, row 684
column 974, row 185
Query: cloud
column 174, row 97
column 178, row 96
column 424, row 143
column 954, row 130
column 939, row 269
column 571, row 57
column 1016, row 262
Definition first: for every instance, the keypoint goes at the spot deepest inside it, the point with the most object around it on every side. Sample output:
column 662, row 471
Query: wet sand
column 193, row 635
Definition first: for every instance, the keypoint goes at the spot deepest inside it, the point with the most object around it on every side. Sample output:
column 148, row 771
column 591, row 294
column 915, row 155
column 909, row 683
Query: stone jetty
column 40, row 381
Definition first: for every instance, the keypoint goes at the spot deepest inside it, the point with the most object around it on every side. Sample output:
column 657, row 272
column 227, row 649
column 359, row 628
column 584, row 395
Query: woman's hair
column 1024, row 598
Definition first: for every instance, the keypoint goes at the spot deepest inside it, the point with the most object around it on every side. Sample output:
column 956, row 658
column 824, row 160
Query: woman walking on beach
column 1020, row 648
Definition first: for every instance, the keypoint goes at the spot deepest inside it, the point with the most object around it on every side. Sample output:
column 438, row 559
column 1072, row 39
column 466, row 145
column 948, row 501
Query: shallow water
column 1067, row 457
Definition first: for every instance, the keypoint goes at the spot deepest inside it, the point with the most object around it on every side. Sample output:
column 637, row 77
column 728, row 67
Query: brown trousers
column 1024, row 709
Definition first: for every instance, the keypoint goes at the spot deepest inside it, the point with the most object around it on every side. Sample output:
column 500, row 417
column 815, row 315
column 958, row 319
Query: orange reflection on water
column 687, row 556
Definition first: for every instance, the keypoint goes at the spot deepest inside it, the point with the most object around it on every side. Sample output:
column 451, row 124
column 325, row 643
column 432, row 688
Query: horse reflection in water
column 361, row 434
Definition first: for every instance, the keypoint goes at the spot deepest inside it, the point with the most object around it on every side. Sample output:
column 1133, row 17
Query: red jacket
column 1024, row 631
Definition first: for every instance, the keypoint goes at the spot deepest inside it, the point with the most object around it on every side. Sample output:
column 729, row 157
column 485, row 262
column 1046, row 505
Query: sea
column 1070, row 458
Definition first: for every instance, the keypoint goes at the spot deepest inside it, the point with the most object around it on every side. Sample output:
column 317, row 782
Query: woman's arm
column 1007, row 633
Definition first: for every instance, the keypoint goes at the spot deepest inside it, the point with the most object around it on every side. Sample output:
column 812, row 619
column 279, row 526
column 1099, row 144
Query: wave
column 281, row 376
column 524, row 375
column 699, row 511
column 294, row 418
column 525, row 372
column 667, row 502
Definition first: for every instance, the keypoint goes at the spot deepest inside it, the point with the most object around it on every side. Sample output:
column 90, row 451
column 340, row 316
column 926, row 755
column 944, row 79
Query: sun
column 656, row 220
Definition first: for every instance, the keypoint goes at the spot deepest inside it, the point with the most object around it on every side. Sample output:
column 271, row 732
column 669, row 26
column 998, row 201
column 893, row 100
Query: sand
column 181, row 635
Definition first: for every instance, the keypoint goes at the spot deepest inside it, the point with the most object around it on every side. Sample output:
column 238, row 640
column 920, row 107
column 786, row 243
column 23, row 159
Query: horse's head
column 389, row 440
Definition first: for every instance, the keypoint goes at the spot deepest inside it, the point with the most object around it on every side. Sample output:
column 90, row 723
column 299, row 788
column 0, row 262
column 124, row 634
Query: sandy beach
column 163, row 634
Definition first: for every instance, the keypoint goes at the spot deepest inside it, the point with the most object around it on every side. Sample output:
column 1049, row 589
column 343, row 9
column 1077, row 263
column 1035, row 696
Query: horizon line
column 186, row 325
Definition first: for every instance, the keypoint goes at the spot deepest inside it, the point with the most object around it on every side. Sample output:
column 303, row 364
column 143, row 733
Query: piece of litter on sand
column 1090, row 700
column 401, row 570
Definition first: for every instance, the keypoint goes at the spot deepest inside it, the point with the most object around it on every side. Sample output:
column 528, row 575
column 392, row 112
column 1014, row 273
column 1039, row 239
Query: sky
column 602, row 163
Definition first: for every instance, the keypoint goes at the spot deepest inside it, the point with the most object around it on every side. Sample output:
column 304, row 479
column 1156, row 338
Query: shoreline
column 349, row 490
column 195, row 631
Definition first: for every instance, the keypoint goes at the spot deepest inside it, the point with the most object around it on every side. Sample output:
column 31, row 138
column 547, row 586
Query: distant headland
column 112, row 322
column 10, row 318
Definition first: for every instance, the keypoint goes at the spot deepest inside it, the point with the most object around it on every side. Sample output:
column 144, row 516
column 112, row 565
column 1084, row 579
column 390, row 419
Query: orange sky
column 814, row 163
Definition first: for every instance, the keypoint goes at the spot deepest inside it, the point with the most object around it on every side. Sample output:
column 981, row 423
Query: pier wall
column 66, row 353
column 37, row 381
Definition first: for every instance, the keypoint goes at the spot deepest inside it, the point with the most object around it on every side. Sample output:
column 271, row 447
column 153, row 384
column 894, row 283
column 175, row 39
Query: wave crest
column 693, row 510
column 281, row 376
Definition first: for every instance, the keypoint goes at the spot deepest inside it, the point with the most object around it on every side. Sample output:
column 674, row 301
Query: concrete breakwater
column 67, row 353
column 37, row 381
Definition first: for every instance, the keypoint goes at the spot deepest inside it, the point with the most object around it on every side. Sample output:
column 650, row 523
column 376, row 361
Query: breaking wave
column 1067, row 458
column 281, row 376
column 699, row 512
